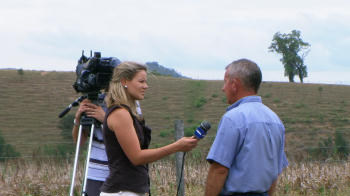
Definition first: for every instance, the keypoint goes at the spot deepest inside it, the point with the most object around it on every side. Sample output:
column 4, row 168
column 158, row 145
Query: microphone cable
column 181, row 173
column 199, row 134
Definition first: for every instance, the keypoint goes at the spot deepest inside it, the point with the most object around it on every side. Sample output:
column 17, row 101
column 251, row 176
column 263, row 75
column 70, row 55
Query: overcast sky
column 197, row 38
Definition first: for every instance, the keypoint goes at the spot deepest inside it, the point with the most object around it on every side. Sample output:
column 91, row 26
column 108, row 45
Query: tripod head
column 88, row 121
column 95, row 97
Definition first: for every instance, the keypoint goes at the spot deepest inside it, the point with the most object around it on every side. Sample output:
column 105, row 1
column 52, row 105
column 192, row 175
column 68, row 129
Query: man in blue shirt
column 247, row 155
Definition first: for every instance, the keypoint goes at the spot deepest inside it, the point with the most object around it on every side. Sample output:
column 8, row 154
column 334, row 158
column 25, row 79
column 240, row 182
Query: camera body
column 94, row 73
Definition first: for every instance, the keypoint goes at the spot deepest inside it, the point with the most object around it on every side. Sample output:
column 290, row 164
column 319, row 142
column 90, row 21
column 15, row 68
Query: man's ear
column 234, row 83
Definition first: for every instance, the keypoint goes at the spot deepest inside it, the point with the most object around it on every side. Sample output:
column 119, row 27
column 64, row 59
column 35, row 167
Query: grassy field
column 30, row 104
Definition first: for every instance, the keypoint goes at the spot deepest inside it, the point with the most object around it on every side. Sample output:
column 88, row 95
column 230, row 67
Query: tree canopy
column 293, row 50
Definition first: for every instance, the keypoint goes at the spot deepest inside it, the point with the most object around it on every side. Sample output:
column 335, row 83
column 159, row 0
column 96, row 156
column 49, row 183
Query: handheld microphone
column 199, row 133
column 202, row 130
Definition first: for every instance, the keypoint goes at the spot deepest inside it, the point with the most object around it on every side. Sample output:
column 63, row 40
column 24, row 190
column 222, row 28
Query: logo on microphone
column 202, row 130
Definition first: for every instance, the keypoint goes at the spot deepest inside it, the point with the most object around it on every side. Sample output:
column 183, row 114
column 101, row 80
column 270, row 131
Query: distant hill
column 154, row 67
column 157, row 69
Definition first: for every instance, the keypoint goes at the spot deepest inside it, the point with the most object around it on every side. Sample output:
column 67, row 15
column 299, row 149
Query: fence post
column 179, row 133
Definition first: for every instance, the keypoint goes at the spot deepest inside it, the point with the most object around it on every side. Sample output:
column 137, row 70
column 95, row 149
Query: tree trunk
column 291, row 77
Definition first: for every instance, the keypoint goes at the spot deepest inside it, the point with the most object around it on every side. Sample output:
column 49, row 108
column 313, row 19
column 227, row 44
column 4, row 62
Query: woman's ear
column 123, row 81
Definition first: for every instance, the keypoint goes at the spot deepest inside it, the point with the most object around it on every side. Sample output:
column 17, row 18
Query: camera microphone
column 202, row 130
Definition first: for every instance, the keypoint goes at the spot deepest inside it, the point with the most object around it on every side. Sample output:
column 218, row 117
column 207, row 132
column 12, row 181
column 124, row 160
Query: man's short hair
column 247, row 71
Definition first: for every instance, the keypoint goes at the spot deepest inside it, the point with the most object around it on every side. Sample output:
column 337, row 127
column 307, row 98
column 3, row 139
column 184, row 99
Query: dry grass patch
column 52, row 177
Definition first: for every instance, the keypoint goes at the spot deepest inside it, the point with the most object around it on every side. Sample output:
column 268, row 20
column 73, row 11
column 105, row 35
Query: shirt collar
column 243, row 100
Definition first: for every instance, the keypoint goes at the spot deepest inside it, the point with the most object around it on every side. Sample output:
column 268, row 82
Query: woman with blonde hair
column 127, row 138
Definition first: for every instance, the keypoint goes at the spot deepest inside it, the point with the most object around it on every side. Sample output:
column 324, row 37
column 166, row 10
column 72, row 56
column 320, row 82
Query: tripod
column 84, row 121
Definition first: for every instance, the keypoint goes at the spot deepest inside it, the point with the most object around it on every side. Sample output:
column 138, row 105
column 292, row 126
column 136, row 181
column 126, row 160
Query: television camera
column 93, row 75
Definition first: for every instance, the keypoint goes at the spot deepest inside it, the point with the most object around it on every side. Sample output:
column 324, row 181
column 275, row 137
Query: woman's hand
column 94, row 111
column 186, row 144
column 91, row 110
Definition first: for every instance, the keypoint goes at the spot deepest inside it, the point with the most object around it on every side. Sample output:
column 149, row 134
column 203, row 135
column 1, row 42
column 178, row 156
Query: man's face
column 228, row 89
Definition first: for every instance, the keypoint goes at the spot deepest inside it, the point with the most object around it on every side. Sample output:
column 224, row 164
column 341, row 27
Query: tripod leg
column 75, row 161
column 88, row 159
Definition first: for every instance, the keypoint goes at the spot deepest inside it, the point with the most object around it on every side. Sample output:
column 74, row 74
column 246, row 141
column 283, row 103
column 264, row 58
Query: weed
column 300, row 105
column 190, row 120
column 267, row 95
column 276, row 101
column 214, row 95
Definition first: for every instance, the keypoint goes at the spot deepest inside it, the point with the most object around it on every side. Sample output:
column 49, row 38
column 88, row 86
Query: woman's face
column 138, row 85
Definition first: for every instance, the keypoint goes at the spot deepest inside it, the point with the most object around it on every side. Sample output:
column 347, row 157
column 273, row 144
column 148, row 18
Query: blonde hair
column 117, row 94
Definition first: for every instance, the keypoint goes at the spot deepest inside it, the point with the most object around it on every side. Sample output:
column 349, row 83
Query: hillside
column 30, row 105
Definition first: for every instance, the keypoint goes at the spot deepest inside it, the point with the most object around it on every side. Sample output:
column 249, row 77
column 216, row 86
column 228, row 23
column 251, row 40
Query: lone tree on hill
column 293, row 50
column 21, row 73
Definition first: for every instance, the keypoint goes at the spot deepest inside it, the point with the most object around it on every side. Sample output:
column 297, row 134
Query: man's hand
column 272, row 189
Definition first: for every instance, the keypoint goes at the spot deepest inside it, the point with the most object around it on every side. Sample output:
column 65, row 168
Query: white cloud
column 197, row 38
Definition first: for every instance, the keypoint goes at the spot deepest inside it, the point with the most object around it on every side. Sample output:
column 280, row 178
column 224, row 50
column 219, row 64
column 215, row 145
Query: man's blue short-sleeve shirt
column 250, row 142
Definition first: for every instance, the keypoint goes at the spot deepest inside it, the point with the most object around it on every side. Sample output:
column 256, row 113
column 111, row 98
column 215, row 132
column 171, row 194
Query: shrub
column 190, row 120
column 66, row 126
column 57, row 150
column 189, row 130
column 332, row 147
column 320, row 89
column 341, row 145
column 61, row 150
column 6, row 150
column 164, row 133
column 200, row 102
column 224, row 100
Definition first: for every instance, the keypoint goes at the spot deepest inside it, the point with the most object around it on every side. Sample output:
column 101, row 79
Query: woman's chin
column 140, row 97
